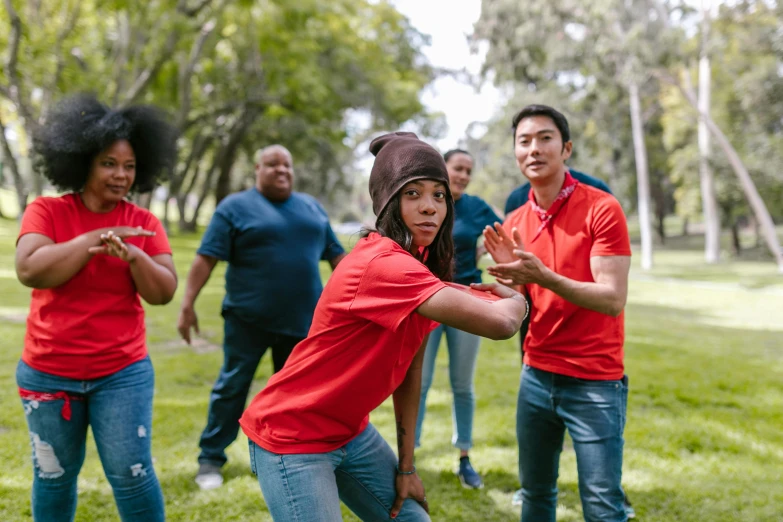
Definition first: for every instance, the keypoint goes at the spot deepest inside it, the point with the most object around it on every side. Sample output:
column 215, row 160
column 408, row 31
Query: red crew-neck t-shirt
column 92, row 325
column 565, row 338
column 364, row 335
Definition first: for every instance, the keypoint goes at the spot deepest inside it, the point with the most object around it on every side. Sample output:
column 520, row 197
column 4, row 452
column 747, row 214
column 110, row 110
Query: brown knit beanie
column 401, row 157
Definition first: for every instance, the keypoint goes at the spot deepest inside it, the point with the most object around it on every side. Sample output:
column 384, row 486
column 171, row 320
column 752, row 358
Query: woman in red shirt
column 89, row 256
column 311, row 443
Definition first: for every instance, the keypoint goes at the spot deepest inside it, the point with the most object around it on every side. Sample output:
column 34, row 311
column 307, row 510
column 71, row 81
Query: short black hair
column 542, row 110
column 79, row 127
column 452, row 152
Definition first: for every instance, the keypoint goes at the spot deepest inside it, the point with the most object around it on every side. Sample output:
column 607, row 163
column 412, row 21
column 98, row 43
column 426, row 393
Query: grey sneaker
column 209, row 477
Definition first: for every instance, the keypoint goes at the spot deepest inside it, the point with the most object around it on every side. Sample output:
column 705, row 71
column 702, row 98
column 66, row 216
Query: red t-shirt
column 92, row 325
column 364, row 335
column 565, row 338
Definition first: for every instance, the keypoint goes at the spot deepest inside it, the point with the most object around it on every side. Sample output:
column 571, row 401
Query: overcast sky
column 448, row 22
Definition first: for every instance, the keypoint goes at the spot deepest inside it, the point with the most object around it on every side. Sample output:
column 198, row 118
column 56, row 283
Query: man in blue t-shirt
column 273, row 239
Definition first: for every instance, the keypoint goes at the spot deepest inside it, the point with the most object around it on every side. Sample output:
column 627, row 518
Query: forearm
column 198, row 276
column 155, row 283
column 599, row 297
column 406, row 407
column 53, row 265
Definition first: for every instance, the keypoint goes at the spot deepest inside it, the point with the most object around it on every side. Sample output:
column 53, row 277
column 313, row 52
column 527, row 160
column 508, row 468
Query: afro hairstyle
column 79, row 127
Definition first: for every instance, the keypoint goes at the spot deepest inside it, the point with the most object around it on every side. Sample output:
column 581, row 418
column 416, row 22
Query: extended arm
column 607, row 294
column 495, row 320
column 42, row 263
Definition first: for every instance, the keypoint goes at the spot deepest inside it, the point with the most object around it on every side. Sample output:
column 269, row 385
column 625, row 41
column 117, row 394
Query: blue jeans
column 463, row 352
column 118, row 408
column 243, row 346
column 593, row 412
column 309, row 487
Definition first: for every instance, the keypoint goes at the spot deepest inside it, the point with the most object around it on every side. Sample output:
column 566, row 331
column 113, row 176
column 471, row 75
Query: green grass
column 703, row 438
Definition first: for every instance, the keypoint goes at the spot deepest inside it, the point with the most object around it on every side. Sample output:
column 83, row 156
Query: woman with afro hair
column 89, row 256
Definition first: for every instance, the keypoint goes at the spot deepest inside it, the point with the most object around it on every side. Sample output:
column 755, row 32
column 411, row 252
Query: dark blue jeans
column 243, row 346
column 593, row 412
column 118, row 408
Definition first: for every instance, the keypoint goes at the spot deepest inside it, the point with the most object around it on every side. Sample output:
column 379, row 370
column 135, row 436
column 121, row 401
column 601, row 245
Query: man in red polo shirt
column 569, row 248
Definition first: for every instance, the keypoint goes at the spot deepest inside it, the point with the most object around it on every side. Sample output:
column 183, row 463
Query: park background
column 704, row 345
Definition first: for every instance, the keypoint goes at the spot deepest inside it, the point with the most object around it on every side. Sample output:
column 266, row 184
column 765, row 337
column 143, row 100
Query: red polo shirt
column 92, row 325
column 364, row 335
column 565, row 338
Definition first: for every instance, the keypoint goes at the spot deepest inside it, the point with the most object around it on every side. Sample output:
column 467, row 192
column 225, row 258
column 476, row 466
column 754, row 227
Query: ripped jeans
column 118, row 407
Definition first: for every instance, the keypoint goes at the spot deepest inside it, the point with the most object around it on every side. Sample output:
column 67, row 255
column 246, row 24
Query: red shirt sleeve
column 37, row 219
column 392, row 286
column 610, row 229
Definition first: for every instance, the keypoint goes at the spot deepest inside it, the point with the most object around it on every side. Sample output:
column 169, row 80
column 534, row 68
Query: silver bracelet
column 412, row 472
column 521, row 297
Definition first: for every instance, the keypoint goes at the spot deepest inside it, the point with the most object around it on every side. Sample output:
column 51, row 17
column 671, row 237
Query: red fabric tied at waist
column 28, row 395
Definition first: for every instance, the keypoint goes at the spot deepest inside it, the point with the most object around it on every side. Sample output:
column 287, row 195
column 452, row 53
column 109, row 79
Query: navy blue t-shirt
column 471, row 215
column 520, row 195
column 273, row 250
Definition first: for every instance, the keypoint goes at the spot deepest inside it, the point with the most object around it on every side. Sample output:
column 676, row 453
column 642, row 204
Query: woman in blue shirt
column 472, row 214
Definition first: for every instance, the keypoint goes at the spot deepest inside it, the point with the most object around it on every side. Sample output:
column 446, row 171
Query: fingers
column 184, row 332
column 98, row 250
column 503, row 236
column 517, row 238
column 397, row 506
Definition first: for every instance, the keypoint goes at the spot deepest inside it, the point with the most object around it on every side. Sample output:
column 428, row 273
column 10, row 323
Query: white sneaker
column 209, row 477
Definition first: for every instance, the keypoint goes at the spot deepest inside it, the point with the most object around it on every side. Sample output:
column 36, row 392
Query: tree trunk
column 748, row 187
column 13, row 166
column 735, row 237
column 642, row 176
column 685, row 223
column 707, row 180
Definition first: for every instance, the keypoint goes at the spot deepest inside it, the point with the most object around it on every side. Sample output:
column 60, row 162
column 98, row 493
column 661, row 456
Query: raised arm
column 41, row 263
column 495, row 320
column 198, row 276
column 406, row 408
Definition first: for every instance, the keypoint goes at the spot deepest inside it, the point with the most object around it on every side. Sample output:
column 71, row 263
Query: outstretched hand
column 525, row 269
column 500, row 246
column 408, row 486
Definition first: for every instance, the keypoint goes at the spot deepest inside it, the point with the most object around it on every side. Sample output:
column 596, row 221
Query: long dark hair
column 439, row 256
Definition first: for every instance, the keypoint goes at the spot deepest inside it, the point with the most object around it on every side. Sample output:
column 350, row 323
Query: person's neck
column 276, row 198
column 546, row 190
column 95, row 204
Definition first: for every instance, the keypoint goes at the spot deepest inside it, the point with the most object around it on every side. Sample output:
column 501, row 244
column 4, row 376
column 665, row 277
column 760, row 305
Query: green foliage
column 235, row 76
column 747, row 103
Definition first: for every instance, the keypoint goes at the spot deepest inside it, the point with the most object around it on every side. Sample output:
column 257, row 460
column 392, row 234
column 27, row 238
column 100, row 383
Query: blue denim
column 593, row 412
column 309, row 487
column 244, row 344
column 463, row 352
column 118, row 408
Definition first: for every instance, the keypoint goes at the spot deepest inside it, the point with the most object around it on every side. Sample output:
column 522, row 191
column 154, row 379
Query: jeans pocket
column 252, row 450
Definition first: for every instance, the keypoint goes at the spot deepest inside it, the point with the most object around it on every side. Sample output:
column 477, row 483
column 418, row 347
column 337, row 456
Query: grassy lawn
column 703, row 439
